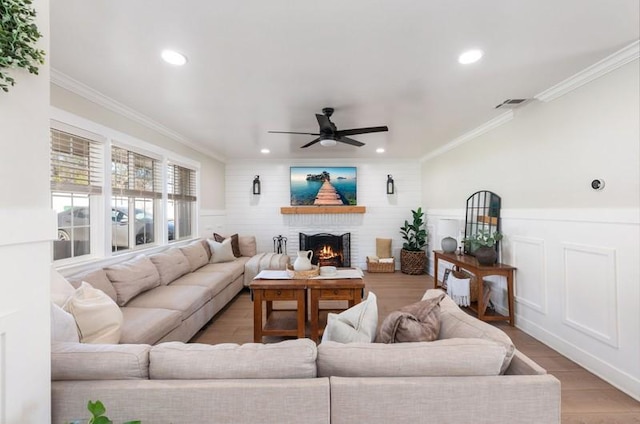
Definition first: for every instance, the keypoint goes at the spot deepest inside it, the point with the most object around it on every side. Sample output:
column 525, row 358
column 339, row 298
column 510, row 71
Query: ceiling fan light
column 470, row 56
column 173, row 57
column 328, row 142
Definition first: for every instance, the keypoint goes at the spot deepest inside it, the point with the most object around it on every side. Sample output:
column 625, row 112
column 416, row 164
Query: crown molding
column 464, row 138
column 606, row 65
column 64, row 81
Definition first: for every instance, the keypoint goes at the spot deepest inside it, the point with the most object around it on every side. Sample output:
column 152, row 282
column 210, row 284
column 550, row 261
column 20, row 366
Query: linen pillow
column 98, row 280
column 234, row 243
column 383, row 248
column 98, row 318
column 61, row 289
column 171, row 265
column 133, row 277
column 356, row 324
column 63, row 326
column 418, row 322
column 248, row 246
column 221, row 252
column 196, row 254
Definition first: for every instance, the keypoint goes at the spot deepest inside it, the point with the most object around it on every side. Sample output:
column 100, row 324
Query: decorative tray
column 303, row 275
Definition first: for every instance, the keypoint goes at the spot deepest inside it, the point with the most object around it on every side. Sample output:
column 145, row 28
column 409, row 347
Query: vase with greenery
column 483, row 246
column 413, row 259
column 18, row 37
column 97, row 411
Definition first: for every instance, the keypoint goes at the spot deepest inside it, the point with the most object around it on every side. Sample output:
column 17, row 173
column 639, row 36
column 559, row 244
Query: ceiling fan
column 329, row 135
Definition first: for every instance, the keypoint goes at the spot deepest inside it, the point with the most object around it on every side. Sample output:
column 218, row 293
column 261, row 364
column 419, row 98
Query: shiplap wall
column 260, row 215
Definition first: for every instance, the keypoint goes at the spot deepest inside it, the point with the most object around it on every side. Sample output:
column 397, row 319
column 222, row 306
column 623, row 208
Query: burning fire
column 327, row 253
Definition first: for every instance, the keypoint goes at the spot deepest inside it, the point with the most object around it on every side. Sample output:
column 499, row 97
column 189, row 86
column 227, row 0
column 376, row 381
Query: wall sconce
column 390, row 185
column 256, row 184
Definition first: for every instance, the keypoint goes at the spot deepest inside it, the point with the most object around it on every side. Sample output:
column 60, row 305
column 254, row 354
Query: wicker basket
column 381, row 266
column 413, row 262
column 303, row 275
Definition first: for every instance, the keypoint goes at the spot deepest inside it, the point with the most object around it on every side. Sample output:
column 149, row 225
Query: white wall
column 576, row 249
column 260, row 215
column 25, row 246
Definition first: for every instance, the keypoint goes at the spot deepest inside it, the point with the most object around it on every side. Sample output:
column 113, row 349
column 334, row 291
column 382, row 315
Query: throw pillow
column 61, row 289
column 248, row 247
column 418, row 322
column 98, row 280
column 235, row 244
column 356, row 324
column 98, row 318
column 171, row 265
column 196, row 254
column 63, row 326
column 133, row 277
column 221, row 252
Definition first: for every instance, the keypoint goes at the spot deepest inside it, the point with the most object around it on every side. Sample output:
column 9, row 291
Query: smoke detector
column 512, row 103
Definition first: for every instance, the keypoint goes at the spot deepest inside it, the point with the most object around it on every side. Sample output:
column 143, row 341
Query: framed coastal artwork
column 323, row 186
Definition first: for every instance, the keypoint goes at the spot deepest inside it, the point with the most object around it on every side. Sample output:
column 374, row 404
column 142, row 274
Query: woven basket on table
column 381, row 266
column 413, row 262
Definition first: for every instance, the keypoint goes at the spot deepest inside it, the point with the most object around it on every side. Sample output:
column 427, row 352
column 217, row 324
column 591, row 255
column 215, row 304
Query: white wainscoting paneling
column 590, row 291
column 531, row 279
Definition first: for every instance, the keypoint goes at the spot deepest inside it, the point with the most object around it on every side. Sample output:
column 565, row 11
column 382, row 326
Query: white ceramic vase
column 303, row 261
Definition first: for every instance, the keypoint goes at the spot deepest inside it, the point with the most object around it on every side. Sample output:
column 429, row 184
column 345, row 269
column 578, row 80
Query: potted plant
column 413, row 259
column 97, row 411
column 483, row 246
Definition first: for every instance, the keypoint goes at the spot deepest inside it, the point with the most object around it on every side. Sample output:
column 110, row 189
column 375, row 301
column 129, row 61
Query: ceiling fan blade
column 291, row 132
column 355, row 131
column 351, row 141
column 325, row 124
column 311, row 143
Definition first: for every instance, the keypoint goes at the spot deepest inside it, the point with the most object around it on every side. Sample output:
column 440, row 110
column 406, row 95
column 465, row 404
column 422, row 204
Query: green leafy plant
column 97, row 411
column 483, row 238
column 18, row 37
column 415, row 234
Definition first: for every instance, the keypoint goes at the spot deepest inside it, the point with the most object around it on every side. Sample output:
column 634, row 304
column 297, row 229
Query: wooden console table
column 470, row 263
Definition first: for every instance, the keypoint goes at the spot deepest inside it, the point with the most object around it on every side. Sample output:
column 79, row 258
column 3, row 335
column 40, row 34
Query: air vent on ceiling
column 512, row 103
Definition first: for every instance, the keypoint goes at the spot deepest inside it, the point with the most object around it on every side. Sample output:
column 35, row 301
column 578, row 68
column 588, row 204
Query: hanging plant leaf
column 18, row 37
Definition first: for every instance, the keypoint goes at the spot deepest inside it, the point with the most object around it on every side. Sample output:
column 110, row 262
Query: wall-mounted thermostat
column 597, row 184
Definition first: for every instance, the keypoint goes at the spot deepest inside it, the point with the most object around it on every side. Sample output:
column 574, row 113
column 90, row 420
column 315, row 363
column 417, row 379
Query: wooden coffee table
column 267, row 291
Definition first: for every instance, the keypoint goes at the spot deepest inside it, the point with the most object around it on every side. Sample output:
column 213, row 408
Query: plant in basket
column 413, row 259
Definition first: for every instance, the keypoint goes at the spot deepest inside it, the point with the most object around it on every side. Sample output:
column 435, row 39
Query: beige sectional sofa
column 171, row 295
column 472, row 373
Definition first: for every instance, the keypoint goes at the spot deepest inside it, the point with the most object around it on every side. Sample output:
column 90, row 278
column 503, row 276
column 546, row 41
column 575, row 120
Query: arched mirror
column 483, row 216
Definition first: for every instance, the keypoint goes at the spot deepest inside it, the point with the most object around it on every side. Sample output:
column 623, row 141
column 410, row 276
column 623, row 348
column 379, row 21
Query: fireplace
column 328, row 249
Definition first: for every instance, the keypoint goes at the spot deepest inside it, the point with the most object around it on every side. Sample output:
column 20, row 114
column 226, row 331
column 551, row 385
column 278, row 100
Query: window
column 181, row 205
column 76, row 176
column 136, row 191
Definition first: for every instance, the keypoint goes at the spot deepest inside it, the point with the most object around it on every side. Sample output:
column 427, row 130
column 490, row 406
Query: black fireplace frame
column 341, row 242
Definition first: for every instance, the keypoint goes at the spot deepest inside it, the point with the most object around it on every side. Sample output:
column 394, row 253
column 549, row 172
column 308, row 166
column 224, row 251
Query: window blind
column 76, row 163
column 135, row 175
column 181, row 183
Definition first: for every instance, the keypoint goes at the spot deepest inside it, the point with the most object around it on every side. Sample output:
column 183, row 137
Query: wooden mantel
column 295, row 210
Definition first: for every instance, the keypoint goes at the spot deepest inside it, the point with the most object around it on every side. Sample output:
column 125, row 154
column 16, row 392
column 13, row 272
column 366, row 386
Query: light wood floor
column 586, row 399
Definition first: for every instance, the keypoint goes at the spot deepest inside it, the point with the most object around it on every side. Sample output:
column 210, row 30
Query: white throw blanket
column 459, row 290
column 263, row 261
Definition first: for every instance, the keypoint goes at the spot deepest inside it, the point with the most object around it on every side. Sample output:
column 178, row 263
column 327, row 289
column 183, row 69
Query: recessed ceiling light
column 379, row 150
column 470, row 56
column 265, row 151
column 173, row 57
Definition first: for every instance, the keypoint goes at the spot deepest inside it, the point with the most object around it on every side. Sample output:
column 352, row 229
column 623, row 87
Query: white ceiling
column 258, row 65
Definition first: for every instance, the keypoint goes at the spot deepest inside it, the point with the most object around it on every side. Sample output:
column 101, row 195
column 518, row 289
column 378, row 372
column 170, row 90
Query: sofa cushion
column 235, row 243
column 98, row 280
column 455, row 323
column 418, row 322
column 97, row 316
column 220, row 251
column 147, row 325
column 247, row 246
column 215, row 282
column 61, row 289
column 171, row 265
column 133, row 277
column 196, row 254
column 287, row 359
column 63, row 325
column 233, row 269
column 186, row 299
column 451, row 357
column 78, row 361
column 356, row 324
